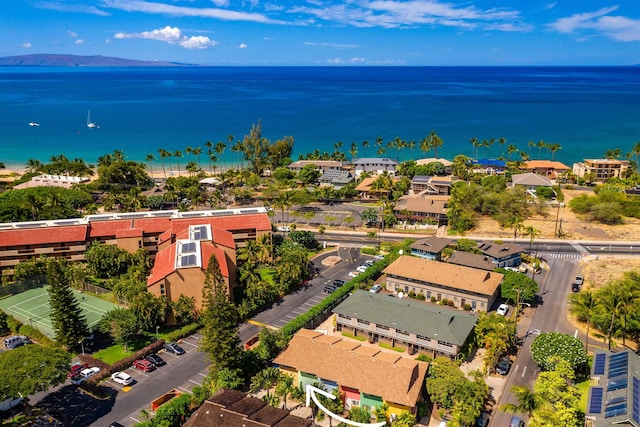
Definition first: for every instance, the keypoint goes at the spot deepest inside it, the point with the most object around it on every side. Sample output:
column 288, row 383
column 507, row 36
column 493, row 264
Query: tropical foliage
column 550, row 347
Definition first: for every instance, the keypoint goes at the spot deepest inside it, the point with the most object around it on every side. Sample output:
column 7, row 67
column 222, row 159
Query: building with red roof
column 155, row 231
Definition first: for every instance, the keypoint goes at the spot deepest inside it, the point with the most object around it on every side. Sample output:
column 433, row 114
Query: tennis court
column 32, row 308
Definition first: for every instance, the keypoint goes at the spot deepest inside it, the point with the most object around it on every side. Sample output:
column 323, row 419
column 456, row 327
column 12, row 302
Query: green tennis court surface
column 32, row 308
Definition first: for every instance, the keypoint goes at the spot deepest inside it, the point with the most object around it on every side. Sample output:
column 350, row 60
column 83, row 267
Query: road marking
column 575, row 335
column 201, row 374
column 187, row 390
column 195, row 382
column 309, row 304
column 134, row 419
column 126, row 389
column 524, row 371
column 290, row 317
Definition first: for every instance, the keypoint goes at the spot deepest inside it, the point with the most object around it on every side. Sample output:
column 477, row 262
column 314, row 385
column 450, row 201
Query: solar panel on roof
column 249, row 211
column 595, row 400
column 598, row 364
column 636, row 400
column 617, row 385
column 616, row 410
column 188, row 261
column 618, row 356
column 615, row 401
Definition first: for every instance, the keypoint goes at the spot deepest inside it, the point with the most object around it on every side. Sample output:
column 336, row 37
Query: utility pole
column 555, row 230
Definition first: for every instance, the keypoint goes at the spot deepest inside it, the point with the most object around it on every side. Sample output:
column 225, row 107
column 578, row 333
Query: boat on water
column 34, row 124
column 90, row 124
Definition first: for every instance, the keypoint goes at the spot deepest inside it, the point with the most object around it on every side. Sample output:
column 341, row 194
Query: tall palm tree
column 475, row 144
column 163, row 155
column 583, row 305
column 611, row 303
column 541, row 144
column 354, row 150
column 528, row 401
column 219, row 150
column 511, row 149
column 178, row 154
column 502, row 140
column 150, row 158
column 365, row 145
column 636, row 152
column 553, row 148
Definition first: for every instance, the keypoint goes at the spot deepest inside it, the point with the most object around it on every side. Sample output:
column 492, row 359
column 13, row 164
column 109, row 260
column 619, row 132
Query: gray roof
column 434, row 321
column 531, row 179
column 500, row 250
column 374, row 160
column 615, row 397
column 471, row 260
column 431, row 244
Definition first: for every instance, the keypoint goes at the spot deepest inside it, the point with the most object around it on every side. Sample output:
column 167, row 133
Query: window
column 162, row 289
column 344, row 316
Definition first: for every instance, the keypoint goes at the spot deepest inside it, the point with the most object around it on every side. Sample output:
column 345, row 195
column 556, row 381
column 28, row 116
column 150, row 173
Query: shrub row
column 106, row 370
column 184, row 331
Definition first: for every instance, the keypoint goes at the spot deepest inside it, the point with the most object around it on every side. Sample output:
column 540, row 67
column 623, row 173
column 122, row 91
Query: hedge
column 106, row 370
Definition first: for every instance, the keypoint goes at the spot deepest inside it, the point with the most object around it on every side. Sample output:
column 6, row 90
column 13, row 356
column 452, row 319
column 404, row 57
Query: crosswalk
column 562, row 255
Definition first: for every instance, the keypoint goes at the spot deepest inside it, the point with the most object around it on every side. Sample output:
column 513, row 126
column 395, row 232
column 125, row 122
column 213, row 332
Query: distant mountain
column 55, row 60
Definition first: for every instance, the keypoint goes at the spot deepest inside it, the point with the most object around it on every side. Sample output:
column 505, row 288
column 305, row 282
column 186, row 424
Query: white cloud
column 336, row 45
column 79, row 42
column 413, row 13
column 618, row 28
column 242, row 46
column 72, row 34
column 71, row 7
column 335, row 61
column 357, row 60
column 168, row 9
column 171, row 35
column 550, row 5
column 26, row 45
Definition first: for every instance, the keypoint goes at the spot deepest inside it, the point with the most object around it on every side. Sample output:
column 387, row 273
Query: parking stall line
column 187, row 390
column 290, row 317
column 201, row 374
column 189, row 343
column 135, row 419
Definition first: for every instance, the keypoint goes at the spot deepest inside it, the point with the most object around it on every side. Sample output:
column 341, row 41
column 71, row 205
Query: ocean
column 586, row 110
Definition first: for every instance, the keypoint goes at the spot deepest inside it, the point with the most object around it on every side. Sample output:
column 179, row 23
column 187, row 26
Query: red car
column 75, row 369
column 144, row 365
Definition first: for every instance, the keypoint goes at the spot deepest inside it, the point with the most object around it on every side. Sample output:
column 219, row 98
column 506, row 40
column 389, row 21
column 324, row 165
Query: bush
column 564, row 346
column 184, row 331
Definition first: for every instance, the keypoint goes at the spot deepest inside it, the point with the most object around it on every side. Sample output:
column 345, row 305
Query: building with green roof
column 416, row 326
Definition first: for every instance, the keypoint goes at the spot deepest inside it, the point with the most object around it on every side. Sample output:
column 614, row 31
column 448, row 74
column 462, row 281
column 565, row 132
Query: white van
column 16, row 341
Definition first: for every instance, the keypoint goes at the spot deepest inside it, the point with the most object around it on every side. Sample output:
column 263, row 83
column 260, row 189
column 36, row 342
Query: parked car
column 329, row 289
column 516, row 422
column 362, row 268
column 116, row 424
column 375, row 289
column 368, row 262
column 502, row 310
column 144, row 365
column 155, row 359
column 75, row 369
column 579, row 280
column 122, row 378
column 503, row 366
column 353, row 273
column 378, row 257
column 483, row 420
column 284, row 229
column 575, row 287
column 84, row 375
column 173, row 348
column 337, row 283
column 16, row 341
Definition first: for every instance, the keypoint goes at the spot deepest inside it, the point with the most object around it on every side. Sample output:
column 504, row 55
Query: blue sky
column 314, row 32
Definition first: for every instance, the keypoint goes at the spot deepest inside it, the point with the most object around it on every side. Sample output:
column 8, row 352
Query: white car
column 122, row 378
column 84, row 374
column 354, row 273
column 503, row 309
column 362, row 268
column 375, row 289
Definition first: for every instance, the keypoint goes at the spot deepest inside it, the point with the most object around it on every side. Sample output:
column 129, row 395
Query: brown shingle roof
column 232, row 408
column 500, row 250
column 426, row 204
column 367, row 369
column 444, row 274
column 431, row 244
column 468, row 259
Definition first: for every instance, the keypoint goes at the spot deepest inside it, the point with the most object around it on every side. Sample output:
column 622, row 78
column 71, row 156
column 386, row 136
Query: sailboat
column 90, row 124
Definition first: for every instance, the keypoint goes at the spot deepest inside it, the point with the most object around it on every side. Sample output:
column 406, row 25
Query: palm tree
column 196, row 152
column 610, row 302
column 380, row 412
column 541, row 144
column 33, row 165
column 528, row 401
column 219, row 150
column 405, row 419
column 476, row 144
column 163, row 155
column 512, row 149
column 285, row 388
column 502, row 141
column 265, row 380
column 178, row 154
column 553, row 148
column 612, row 153
column 531, row 144
column 365, row 144
column 636, row 152
column 532, row 233
column 150, row 158
column 354, row 150
column 583, row 305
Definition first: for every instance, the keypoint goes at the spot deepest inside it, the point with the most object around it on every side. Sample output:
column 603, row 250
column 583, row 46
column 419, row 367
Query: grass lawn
column 116, row 352
column 583, row 387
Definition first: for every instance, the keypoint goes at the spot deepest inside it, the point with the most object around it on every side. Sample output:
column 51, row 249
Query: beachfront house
column 414, row 326
column 488, row 166
column 440, row 282
column 600, row 170
column 549, row 168
column 431, row 185
column 375, row 165
column 367, row 376
column 530, row 181
column 323, row 166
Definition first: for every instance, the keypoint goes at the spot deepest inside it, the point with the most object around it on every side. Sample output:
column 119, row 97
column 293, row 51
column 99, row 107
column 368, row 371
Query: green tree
column 30, row 369
column 369, row 215
column 220, row 319
column 265, row 380
column 566, row 347
column 309, row 174
column 583, row 305
column 517, row 287
column 120, row 324
column 107, row 261
column 528, row 401
column 69, row 324
column 184, row 310
column 405, row 419
column 303, row 237
column 359, row 415
column 150, row 311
